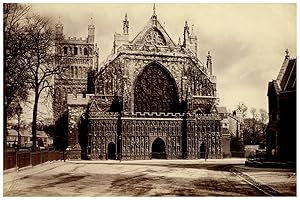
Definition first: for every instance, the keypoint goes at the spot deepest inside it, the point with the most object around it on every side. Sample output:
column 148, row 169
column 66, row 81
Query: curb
column 270, row 164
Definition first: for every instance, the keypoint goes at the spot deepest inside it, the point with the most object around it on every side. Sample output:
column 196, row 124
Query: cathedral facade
column 151, row 98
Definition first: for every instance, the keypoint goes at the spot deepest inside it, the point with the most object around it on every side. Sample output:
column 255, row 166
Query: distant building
column 235, row 121
column 44, row 139
column 12, row 138
column 281, row 130
column 231, row 130
column 226, row 137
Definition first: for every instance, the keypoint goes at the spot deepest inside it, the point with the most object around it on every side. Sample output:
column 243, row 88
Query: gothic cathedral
column 151, row 98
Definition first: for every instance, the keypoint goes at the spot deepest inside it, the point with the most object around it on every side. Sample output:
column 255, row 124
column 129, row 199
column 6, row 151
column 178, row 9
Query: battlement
column 153, row 115
column 196, row 116
column 203, row 97
column 105, row 115
column 189, row 116
column 172, row 115
column 78, row 99
column 76, row 40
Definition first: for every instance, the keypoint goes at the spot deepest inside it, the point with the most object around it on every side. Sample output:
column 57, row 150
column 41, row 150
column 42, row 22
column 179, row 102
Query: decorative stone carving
column 155, row 91
column 154, row 37
column 151, row 76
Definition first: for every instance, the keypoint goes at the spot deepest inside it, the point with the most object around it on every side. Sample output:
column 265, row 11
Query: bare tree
column 254, row 128
column 242, row 108
column 15, row 46
column 253, row 112
column 264, row 120
column 263, row 116
column 40, row 60
column 254, row 123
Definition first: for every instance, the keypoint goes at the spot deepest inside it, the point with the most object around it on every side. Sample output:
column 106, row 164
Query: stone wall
column 138, row 131
column 77, row 105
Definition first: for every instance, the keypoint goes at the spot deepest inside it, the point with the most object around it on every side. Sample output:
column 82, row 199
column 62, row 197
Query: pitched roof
column 153, row 25
column 12, row 132
column 287, row 74
column 288, row 81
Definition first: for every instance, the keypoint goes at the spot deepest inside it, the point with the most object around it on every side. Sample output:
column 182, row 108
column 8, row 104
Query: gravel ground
column 143, row 178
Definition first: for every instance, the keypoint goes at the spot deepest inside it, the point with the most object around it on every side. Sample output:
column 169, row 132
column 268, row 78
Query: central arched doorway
column 155, row 91
column 159, row 149
column 111, row 151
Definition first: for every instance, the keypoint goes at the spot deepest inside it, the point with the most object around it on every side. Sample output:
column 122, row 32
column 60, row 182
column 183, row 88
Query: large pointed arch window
column 155, row 91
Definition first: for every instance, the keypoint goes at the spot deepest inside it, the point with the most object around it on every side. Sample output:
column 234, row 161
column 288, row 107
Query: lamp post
column 19, row 112
column 205, row 147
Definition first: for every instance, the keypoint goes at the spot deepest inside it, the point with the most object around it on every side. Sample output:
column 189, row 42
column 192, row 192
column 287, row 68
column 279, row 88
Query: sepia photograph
column 149, row 99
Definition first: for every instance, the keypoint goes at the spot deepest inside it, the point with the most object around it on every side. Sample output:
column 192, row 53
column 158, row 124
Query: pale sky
column 247, row 41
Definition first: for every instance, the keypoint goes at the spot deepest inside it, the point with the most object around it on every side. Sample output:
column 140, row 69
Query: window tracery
column 155, row 91
column 154, row 37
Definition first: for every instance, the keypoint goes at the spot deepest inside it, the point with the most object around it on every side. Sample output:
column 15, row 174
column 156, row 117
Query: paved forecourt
column 136, row 178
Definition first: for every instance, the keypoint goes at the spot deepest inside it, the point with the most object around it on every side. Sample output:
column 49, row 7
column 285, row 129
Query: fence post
column 16, row 158
column 41, row 158
column 30, row 156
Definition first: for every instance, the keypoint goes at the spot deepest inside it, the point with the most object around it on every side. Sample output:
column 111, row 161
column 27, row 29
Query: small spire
column 179, row 41
column 192, row 32
column 91, row 21
column 125, row 25
column 287, row 53
column 186, row 24
column 154, row 17
column 209, row 63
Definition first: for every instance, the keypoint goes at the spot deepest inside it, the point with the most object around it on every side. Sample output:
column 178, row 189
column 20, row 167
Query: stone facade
column 76, row 56
column 153, row 99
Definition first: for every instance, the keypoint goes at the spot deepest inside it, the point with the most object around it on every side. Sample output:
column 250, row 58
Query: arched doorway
column 202, row 150
column 155, row 91
column 111, row 151
column 159, row 149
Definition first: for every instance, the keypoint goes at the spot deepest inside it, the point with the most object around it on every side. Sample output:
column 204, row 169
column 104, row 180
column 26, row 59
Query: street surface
column 147, row 178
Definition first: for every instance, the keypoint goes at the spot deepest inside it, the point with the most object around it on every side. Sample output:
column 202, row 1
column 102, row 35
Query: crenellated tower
column 76, row 56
